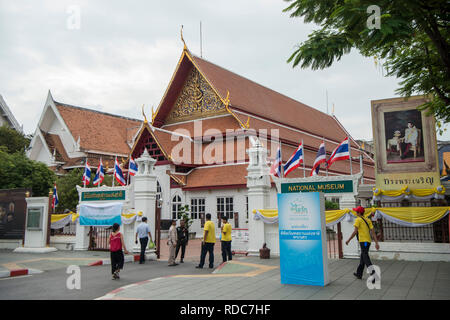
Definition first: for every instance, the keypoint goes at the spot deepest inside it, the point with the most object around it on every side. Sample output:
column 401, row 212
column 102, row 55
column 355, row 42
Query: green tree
column 330, row 205
column 13, row 141
column 413, row 42
column 17, row 171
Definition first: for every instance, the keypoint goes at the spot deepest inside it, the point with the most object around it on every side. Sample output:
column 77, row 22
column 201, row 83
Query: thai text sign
column 303, row 243
column 103, row 195
column 101, row 214
column 326, row 186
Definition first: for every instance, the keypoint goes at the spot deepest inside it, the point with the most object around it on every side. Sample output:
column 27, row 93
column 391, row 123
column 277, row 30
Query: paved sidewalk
column 250, row 278
column 10, row 260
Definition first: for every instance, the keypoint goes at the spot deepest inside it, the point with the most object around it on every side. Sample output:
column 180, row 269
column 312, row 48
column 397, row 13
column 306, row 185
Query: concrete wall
column 10, row 243
column 63, row 242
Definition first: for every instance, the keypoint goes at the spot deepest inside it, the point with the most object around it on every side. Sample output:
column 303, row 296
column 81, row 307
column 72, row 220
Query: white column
column 145, row 197
column 36, row 236
column 352, row 250
column 81, row 237
column 258, row 184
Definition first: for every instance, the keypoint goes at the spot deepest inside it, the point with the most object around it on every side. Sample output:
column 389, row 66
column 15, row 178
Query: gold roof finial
column 153, row 114
column 227, row 102
column 182, row 39
column 143, row 113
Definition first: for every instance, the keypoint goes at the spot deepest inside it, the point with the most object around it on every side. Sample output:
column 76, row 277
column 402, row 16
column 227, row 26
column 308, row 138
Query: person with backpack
column 363, row 231
column 116, row 244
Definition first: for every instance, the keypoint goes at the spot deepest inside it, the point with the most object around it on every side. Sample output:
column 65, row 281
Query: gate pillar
column 145, row 197
column 258, row 184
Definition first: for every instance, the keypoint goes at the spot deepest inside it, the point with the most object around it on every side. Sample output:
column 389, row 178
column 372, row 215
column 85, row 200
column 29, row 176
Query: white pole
column 128, row 175
column 114, row 173
column 303, row 151
column 326, row 164
column 84, row 180
column 361, row 169
column 350, row 154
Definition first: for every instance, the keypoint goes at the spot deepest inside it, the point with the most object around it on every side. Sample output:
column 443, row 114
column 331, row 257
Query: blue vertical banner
column 303, row 242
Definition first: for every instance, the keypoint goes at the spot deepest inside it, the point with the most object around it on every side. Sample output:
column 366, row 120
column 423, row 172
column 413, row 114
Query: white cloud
column 125, row 53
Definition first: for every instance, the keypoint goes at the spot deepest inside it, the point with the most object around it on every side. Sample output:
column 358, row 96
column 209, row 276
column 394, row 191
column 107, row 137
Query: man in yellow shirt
column 226, row 240
column 363, row 230
column 208, row 241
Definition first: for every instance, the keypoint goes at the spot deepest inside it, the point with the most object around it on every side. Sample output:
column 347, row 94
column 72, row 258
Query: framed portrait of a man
column 404, row 136
column 404, row 140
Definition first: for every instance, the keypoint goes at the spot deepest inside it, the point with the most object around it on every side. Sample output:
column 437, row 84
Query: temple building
column 7, row 118
column 199, row 136
column 66, row 136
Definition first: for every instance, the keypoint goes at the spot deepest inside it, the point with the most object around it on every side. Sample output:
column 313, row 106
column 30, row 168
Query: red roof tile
column 99, row 131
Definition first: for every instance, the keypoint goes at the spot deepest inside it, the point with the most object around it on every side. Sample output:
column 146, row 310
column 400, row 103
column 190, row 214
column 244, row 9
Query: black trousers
column 183, row 249
column 207, row 248
column 117, row 260
column 144, row 242
column 226, row 251
column 365, row 259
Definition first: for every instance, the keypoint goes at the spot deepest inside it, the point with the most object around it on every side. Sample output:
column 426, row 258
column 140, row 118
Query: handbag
column 151, row 244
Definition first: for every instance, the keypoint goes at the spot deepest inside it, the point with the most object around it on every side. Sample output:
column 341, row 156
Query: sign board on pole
column 303, row 243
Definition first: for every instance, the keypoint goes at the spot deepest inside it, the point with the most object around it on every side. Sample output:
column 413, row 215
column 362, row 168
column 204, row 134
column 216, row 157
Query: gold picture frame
column 396, row 156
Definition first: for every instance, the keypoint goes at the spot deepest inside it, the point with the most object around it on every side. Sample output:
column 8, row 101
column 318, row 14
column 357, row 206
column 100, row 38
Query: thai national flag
column 294, row 161
column 100, row 175
column 118, row 174
column 55, row 197
column 132, row 167
column 341, row 152
column 321, row 157
column 87, row 173
column 275, row 169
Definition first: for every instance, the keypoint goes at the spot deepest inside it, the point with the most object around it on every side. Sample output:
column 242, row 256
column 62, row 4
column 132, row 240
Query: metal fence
column 334, row 242
column 437, row 232
column 68, row 230
column 98, row 238
column 434, row 233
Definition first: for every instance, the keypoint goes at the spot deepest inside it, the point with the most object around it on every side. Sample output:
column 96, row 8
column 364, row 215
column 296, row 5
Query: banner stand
column 303, row 242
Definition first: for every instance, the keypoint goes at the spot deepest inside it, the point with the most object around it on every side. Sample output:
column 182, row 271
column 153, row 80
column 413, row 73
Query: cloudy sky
column 123, row 54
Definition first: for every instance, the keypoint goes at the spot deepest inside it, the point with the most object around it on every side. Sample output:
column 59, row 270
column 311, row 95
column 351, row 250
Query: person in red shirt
column 116, row 244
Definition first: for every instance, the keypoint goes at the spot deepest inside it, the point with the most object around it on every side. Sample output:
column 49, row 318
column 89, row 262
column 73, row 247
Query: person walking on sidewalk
column 183, row 238
column 363, row 231
column 172, row 243
column 226, row 240
column 208, row 241
column 143, row 231
column 116, row 244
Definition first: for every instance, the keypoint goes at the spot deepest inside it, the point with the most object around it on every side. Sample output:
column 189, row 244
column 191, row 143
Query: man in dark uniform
column 183, row 237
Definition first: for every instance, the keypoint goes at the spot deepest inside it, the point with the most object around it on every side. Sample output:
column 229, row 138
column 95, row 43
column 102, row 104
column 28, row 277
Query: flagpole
column 325, row 149
column 281, row 163
column 114, row 173
column 100, row 166
column 350, row 156
column 128, row 175
column 303, row 152
column 361, row 169
column 84, row 180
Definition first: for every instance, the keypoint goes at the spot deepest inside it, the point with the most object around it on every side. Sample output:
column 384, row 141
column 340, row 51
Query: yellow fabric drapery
column 407, row 216
column 58, row 217
column 335, row 215
column 414, row 215
column 405, row 191
column 268, row 213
